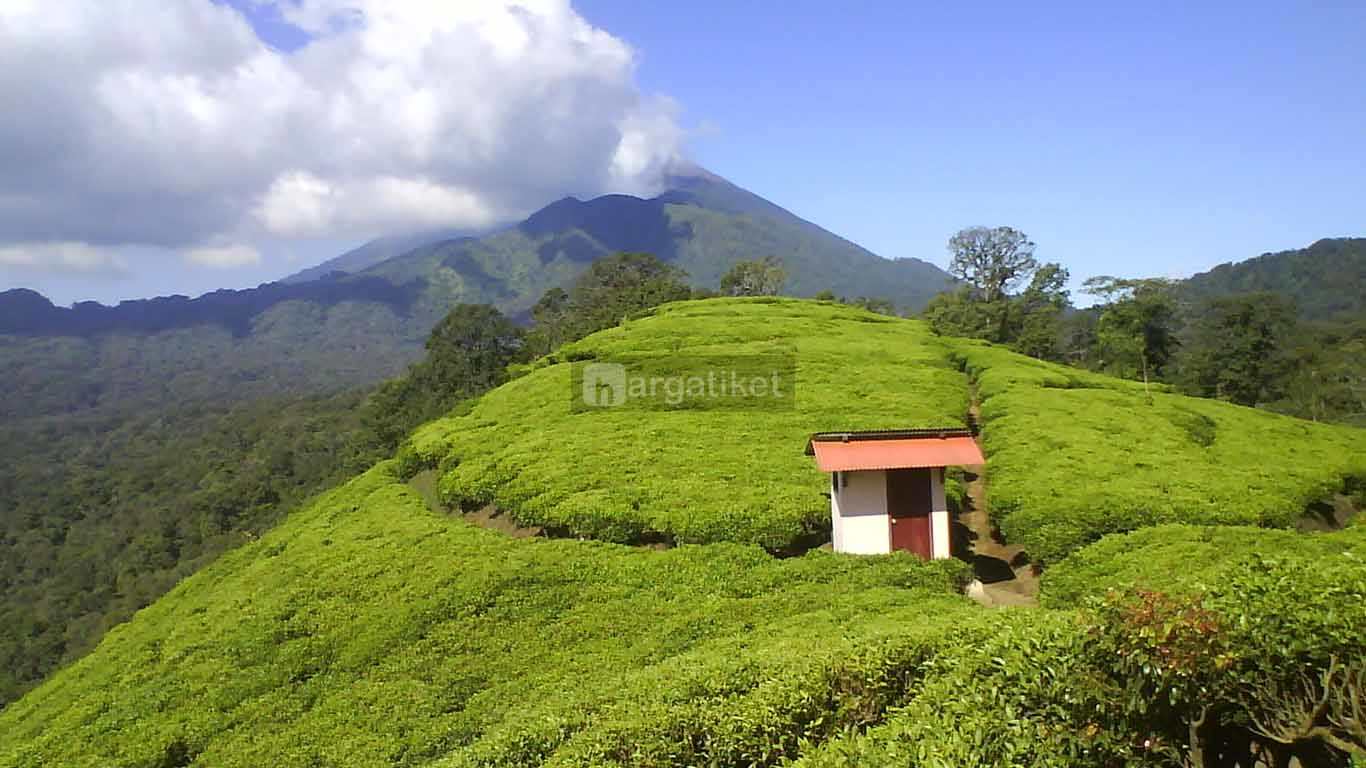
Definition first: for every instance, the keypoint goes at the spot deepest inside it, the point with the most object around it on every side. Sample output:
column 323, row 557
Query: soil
column 1005, row 574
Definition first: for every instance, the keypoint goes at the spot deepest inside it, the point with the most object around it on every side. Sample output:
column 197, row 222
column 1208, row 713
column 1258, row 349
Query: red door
column 908, row 506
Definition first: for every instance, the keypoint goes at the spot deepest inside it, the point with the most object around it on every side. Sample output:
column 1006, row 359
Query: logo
column 604, row 385
column 654, row 381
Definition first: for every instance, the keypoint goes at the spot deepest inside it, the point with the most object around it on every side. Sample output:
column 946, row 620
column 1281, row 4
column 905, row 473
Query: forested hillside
column 377, row 625
column 703, row 225
column 1325, row 281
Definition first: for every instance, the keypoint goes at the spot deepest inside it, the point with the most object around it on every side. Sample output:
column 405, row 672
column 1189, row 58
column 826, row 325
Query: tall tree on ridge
column 1136, row 331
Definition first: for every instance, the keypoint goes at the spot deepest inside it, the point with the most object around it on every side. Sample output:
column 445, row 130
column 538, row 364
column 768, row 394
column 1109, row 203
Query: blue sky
column 1152, row 139
column 1144, row 139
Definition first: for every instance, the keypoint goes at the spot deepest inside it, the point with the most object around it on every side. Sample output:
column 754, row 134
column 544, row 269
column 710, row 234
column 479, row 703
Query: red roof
column 896, row 453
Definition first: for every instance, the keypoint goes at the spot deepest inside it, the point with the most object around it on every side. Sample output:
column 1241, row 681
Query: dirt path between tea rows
column 1006, row 576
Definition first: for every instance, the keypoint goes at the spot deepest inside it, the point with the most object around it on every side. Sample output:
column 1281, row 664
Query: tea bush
column 1185, row 559
column 1135, row 676
column 1073, row 455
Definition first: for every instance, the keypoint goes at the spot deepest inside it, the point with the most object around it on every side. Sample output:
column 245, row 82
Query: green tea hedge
column 1073, row 456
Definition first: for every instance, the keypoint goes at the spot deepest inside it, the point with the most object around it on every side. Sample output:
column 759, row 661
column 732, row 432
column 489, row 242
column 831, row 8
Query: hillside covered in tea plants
column 374, row 626
column 1072, row 455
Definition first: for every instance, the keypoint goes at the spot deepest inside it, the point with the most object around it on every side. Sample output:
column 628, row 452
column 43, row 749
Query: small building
column 887, row 487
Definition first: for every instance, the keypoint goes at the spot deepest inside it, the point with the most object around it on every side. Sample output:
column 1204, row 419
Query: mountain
column 389, row 623
column 702, row 224
column 140, row 440
column 1326, row 281
column 375, row 251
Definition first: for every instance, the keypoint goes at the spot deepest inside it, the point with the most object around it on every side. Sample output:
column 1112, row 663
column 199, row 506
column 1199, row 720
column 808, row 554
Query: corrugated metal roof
column 854, row 451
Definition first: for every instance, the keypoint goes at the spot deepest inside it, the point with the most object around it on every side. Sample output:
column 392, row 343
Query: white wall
column 858, row 512
column 940, row 543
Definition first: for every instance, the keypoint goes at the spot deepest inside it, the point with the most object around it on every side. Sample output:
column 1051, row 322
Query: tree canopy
column 760, row 277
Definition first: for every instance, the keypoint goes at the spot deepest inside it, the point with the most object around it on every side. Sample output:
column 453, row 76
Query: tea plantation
column 694, row 474
column 368, row 629
column 1073, row 455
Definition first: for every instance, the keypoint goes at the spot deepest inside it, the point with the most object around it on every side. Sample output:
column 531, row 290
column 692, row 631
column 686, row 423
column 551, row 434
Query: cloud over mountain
column 178, row 127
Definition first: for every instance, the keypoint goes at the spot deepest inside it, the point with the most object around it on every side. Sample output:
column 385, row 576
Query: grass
column 1073, row 456
column 367, row 630
column 695, row 475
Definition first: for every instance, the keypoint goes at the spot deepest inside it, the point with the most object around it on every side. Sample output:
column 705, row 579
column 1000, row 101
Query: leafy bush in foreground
column 1073, row 456
column 1265, row 666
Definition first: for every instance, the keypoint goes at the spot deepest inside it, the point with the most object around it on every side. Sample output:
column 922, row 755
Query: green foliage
column 366, row 630
column 468, row 353
column 1136, row 330
column 694, row 475
column 108, row 515
column 1237, row 349
column 1184, row 559
column 761, row 277
column 1073, row 455
column 992, row 263
column 1263, row 663
column 1325, row 281
column 613, row 289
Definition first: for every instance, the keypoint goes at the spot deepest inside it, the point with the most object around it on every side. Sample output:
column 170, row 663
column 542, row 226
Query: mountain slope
column 375, row 251
column 703, row 224
column 1326, row 281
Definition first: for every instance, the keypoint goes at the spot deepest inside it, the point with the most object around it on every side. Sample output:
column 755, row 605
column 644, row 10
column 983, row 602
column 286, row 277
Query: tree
column 992, row 264
column 1136, row 333
column 875, row 304
column 618, row 286
column 1036, row 315
column 1237, row 348
column 549, row 319
column 992, row 260
column 763, row 277
column 612, row 288
column 468, row 353
column 957, row 313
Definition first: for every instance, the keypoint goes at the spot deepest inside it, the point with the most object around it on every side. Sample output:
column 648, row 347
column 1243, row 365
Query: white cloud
column 59, row 257
column 223, row 257
column 176, row 127
column 300, row 204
